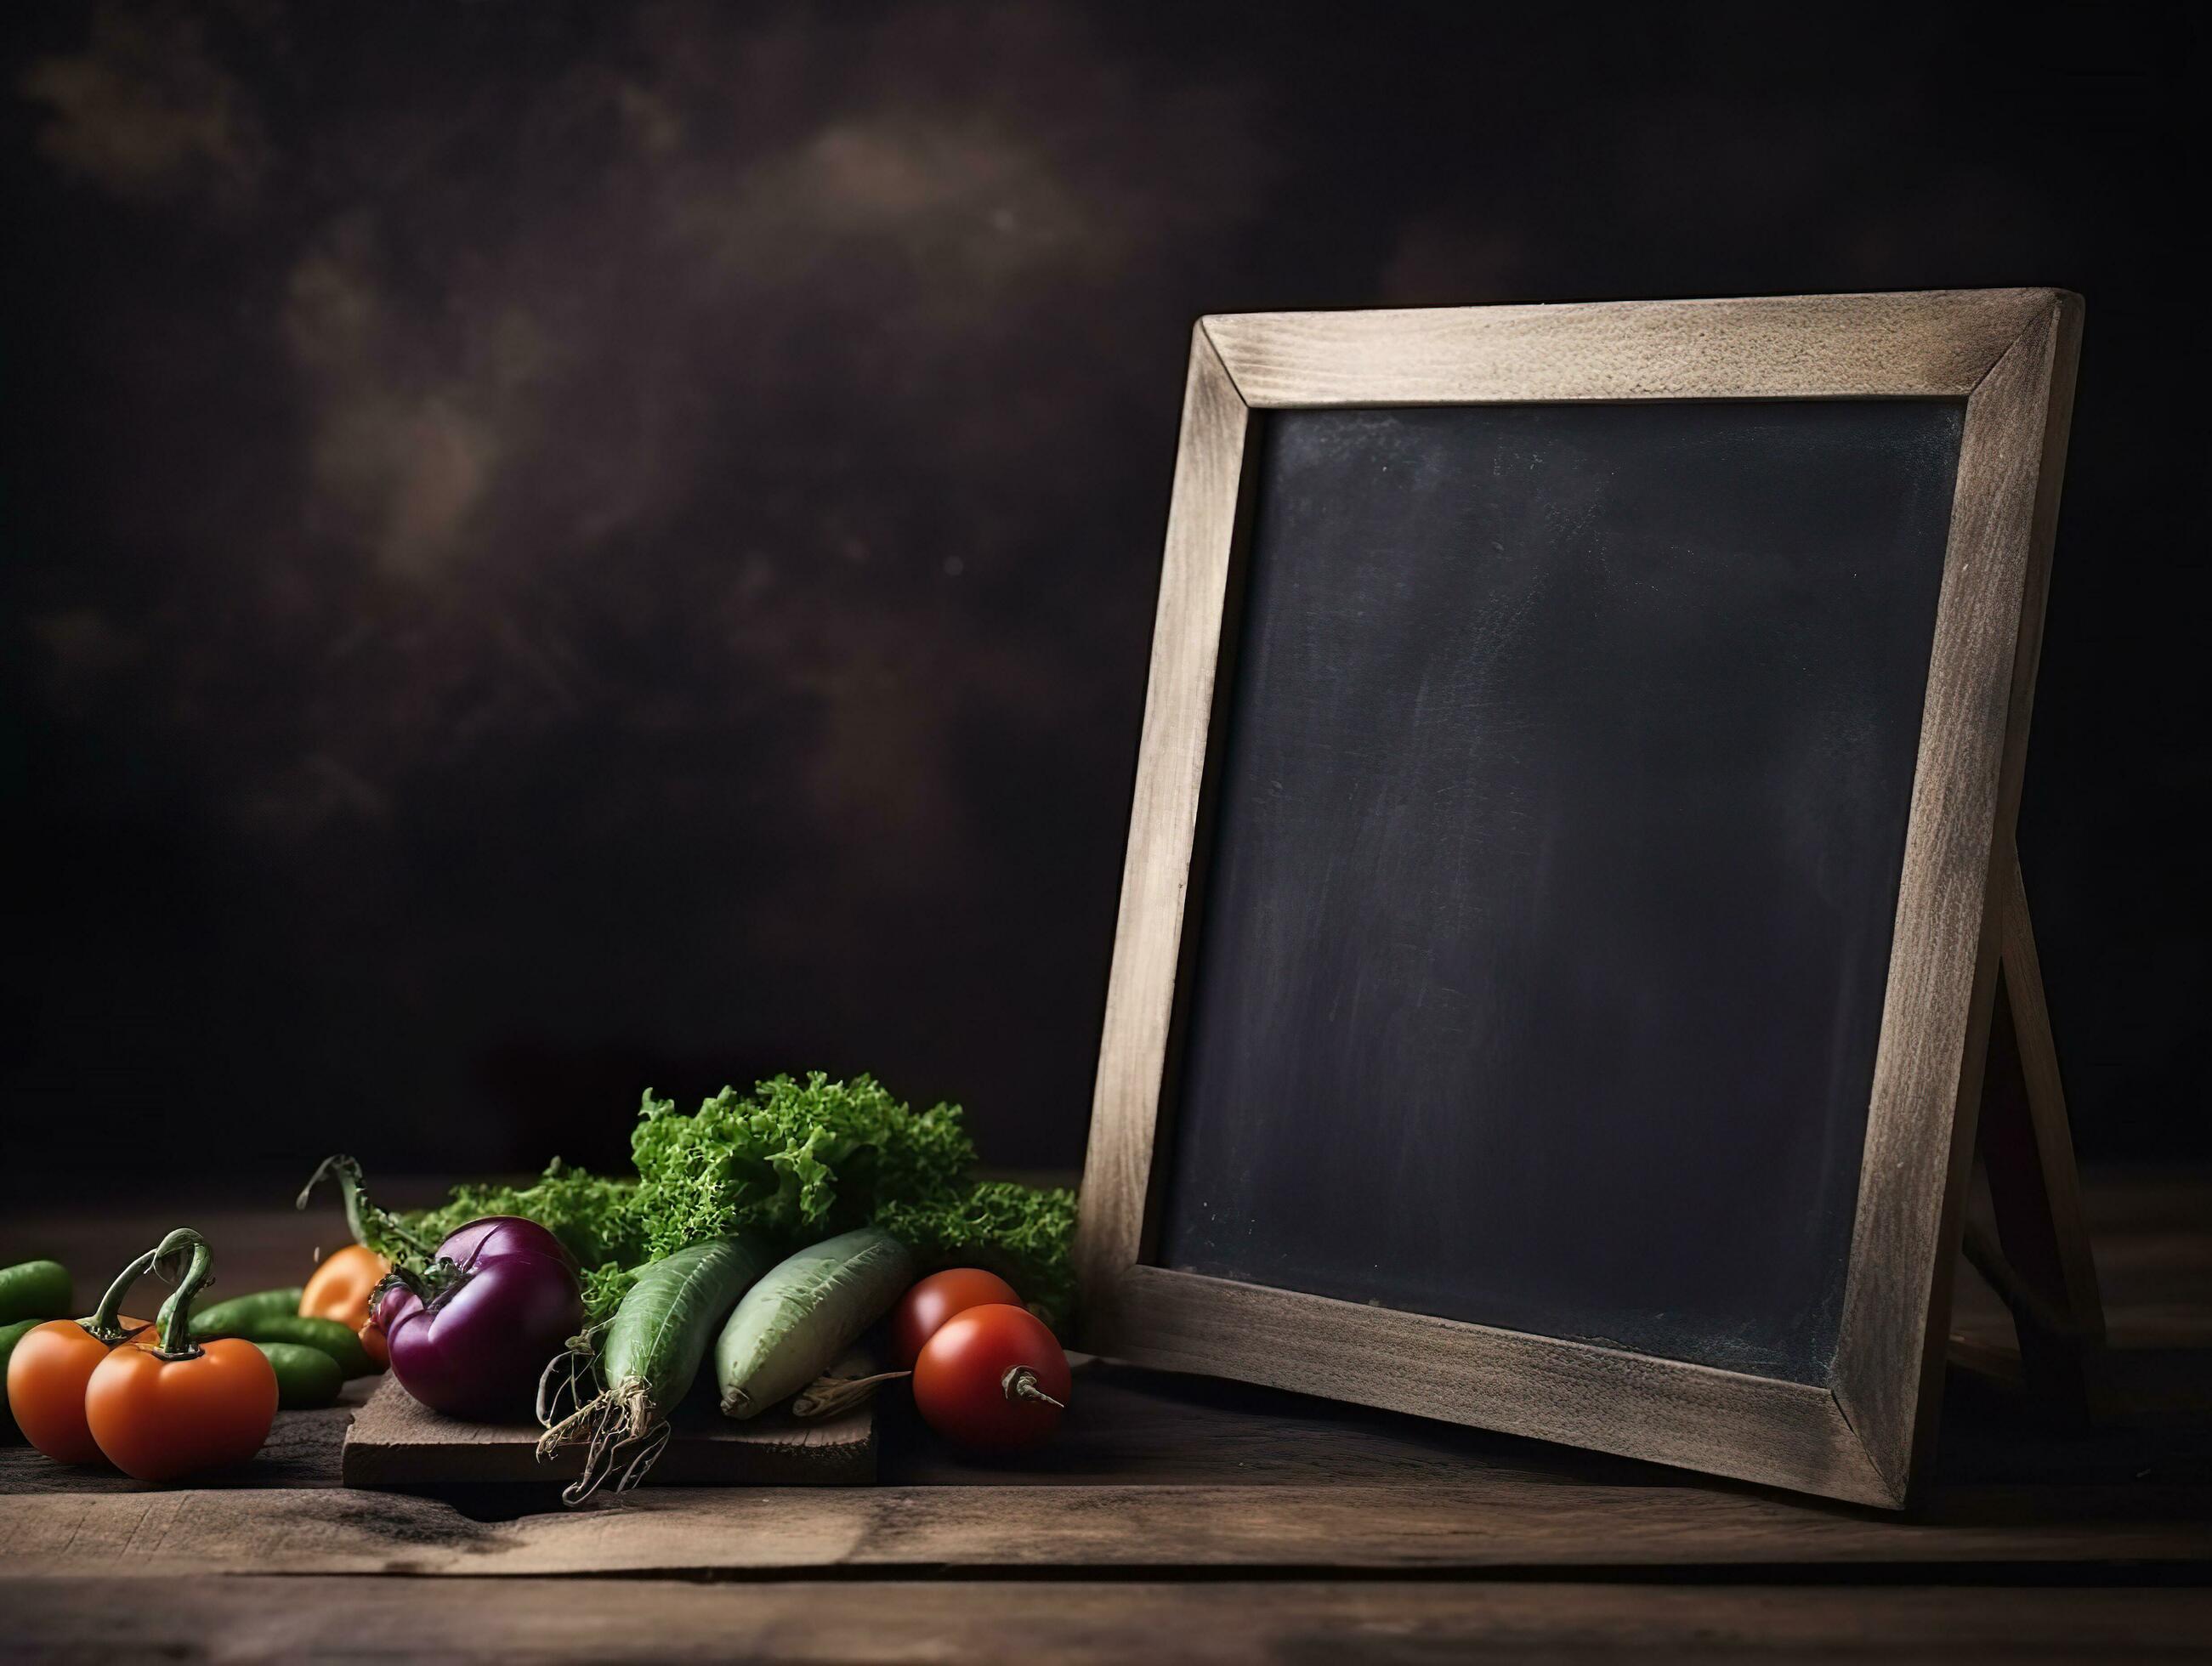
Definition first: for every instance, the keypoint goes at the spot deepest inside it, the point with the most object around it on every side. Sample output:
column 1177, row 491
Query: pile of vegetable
column 771, row 1228
column 791, row 1162
column 768, row 1231
column 192, row 1390
column 161, row 1400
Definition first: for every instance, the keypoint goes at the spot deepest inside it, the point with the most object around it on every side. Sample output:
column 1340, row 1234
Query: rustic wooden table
column 1176, row 1518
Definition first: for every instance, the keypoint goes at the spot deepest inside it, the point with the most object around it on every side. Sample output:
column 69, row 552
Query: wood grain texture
column 2040, row 1263
column 397, row 1442
column 1162, row 822
column 1943, row 956
column 1757, row 1429
column 573, row 1619
column 1431, row 1526
column 2056, row 1185
column 1930, row 343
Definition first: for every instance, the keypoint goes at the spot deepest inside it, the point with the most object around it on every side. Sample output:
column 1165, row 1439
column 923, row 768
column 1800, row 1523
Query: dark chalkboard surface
column 1556, row 847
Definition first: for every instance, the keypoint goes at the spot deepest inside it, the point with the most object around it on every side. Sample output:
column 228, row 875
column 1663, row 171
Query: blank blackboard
column 1554, row 852
column 1570, row 896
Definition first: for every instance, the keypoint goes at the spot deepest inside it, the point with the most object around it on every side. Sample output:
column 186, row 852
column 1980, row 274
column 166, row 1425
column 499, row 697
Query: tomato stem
column 102, row 1326
column 175, row 1318
column 1020, row 1383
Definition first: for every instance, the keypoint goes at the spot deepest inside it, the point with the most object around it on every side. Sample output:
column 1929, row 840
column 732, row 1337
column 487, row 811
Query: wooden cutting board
column 394, row 1441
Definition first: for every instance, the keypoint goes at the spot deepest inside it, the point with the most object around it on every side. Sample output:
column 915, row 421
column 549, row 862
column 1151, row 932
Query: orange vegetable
column 340, row 1290
column 47, row 1376
column 51, row 1365
column 163, row 1406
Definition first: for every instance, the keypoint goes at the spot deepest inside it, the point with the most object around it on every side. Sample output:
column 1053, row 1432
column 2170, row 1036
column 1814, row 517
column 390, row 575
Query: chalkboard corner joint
column 2057, row 314
column 1875, row 1483
column 1202, row 335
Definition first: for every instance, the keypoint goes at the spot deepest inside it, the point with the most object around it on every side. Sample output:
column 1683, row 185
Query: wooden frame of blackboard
column 2011, row 354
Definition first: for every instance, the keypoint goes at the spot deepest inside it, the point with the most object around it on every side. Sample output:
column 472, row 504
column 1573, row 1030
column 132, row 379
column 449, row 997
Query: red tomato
column 993, row 1379
column 937, row 1299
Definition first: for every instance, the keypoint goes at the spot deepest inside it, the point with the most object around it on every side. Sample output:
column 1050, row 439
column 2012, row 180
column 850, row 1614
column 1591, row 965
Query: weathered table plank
column 565, row 1619
column 1494, row 1524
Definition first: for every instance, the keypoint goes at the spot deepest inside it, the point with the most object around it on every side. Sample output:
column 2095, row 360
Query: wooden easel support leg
column 2044, row 1270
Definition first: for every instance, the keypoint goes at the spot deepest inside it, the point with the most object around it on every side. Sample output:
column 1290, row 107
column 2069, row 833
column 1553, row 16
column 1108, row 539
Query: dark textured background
column 554, row 547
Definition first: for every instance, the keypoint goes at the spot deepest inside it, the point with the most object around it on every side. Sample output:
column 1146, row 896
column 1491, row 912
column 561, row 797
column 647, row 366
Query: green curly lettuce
column 798, row 1162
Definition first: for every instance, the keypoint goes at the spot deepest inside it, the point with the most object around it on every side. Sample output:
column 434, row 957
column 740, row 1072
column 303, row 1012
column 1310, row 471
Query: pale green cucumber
column 803, row 1313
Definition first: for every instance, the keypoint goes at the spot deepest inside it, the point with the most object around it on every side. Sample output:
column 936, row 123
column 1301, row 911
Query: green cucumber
column 10, row 1335
column 34, row 1290
column 661, row 1331
column 332, row 1338
column 305, row 1377
column 805, row 1311
column 235, row 1317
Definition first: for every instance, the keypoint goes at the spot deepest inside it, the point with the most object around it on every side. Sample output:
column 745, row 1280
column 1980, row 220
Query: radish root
column 613, row 1424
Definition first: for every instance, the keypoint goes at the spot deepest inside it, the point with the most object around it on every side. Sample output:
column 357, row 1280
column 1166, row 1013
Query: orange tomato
column 157, row 1419
column 46, row 1378
column 340, row 1289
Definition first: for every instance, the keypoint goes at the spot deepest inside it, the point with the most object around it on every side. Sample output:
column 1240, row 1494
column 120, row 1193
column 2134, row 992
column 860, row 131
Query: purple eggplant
column 470, row 1335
